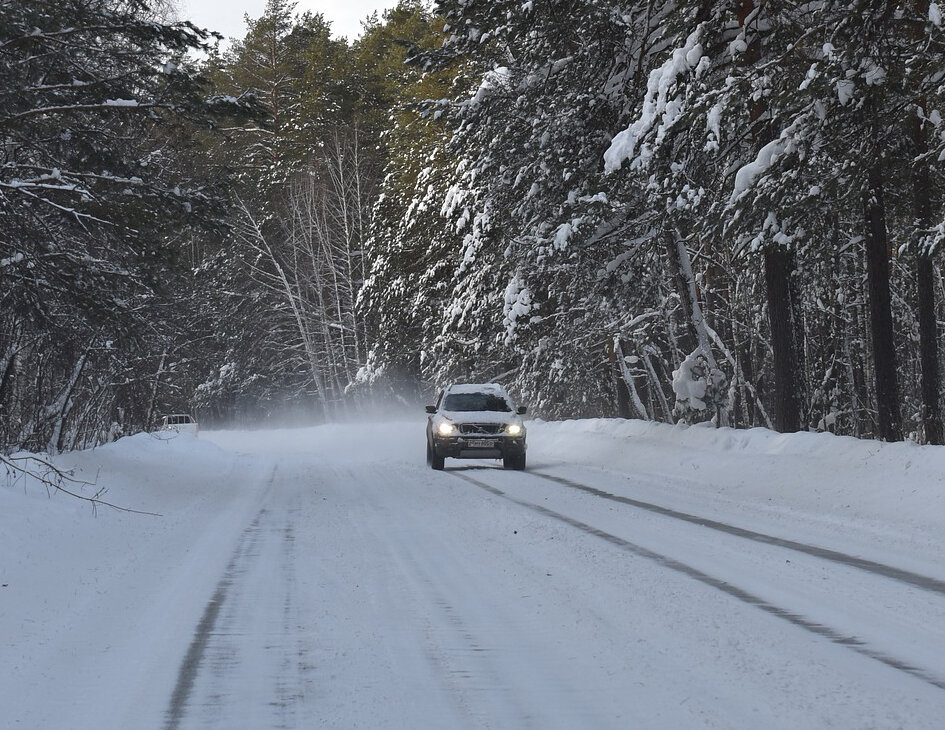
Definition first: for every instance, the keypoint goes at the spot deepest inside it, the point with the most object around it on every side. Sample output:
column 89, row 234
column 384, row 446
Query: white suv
column 475, row 421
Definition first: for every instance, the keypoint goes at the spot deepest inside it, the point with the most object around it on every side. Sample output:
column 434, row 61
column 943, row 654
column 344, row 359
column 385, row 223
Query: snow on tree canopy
column 845, row 89
column 766, row 157
column 518, row 303
column 660, row 108
column 495, row 79
column 935, row 15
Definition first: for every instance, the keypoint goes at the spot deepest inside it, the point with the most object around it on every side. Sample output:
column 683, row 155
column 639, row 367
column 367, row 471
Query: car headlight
column 446, row 429
column 513, row 429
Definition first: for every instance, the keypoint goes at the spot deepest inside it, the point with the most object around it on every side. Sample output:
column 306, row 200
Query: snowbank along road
column 635, row 576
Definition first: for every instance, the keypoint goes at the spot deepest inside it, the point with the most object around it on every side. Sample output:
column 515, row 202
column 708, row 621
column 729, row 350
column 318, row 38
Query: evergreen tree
column 510, row 209
column 99, row 109
column 753, row 136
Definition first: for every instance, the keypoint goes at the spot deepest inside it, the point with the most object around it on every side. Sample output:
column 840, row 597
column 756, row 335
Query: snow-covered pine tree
column 402, row 292
column 537, row 270
column 668, row 147
column 850, row 139
column 99, row 108
column 295, row 67
column 924, row 78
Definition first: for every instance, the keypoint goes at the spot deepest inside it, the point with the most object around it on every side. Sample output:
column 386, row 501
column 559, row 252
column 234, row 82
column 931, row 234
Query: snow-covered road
column 651, row 578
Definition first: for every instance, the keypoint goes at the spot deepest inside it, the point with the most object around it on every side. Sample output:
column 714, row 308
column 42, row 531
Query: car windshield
column 476, row 402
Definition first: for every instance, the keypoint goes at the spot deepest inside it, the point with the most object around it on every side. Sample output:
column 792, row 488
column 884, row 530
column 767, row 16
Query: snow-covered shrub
column 700, row 389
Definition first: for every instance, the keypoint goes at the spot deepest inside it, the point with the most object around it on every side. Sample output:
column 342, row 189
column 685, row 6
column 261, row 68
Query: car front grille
column 481, row 429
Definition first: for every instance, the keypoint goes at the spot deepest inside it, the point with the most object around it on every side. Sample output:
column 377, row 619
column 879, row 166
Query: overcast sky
column 226, row 16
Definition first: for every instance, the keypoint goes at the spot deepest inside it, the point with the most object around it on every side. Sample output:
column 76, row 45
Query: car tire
column 435, row 462
column 514, row 462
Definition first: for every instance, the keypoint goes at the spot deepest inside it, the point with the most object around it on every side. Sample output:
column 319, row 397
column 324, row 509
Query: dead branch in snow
column 55, row 479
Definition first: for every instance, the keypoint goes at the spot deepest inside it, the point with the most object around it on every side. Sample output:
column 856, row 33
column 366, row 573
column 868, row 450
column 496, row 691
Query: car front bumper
column 478, row 447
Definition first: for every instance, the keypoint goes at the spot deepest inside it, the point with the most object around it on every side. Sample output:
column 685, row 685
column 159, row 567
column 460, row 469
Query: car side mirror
column 431, row 409
column 521, row 410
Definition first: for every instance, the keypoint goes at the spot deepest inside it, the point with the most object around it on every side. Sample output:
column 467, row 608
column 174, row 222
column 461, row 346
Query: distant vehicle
column 475, row 421
column 181, row 423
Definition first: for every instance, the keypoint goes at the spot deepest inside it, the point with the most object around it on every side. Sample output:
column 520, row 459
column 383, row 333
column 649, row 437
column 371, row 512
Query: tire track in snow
column 833, row 635
column 193, row 659
column 190, row 666
column 924, row 582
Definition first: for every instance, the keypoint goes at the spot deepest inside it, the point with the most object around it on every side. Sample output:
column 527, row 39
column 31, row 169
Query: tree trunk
column 698, row 328
column 779, row 271
column 149, row 419
column 928, row 352
column 931, row 414
column 779, row 267
column 620, row 385
column 633, row 397
column 686, row 340
column 58, row 412
column 656, row 387
column 881, row 321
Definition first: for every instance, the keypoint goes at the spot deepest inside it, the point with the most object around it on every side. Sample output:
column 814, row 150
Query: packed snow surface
column 636, row 576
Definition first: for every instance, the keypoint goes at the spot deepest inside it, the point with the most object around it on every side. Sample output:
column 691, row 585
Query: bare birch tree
column 312, row 264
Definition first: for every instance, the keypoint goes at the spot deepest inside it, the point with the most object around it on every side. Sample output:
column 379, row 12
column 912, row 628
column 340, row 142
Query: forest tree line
column 698, row 211
column 707, row 211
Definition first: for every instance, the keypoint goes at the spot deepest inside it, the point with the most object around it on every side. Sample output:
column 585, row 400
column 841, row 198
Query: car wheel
column 435, row 462
column 514, row 462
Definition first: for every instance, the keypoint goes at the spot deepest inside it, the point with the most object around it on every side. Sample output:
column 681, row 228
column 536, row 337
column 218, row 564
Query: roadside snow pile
column 48, row 537
column 808, row 471
column 761, row 441
column 837, row 477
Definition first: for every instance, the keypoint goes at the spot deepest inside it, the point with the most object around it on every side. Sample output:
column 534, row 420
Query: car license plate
column 481, row 443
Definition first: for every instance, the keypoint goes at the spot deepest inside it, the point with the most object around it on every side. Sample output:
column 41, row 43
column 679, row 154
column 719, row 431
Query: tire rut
column 833, row 635
column 244, row 607
column 194, row 658
column 924, row 582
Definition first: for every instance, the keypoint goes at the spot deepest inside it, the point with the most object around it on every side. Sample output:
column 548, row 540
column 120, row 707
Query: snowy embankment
column 833, row 478
column 105, row 615
column 882, row 501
